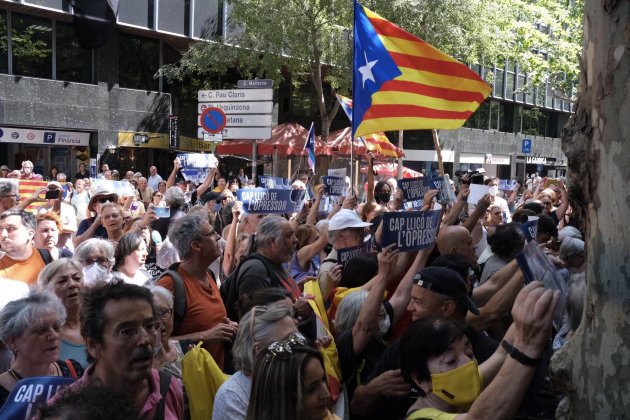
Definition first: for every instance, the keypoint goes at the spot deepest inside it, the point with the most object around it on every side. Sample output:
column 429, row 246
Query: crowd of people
column 113, row 287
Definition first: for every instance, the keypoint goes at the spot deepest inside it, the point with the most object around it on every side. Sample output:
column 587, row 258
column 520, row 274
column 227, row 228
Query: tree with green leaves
column 311, row 40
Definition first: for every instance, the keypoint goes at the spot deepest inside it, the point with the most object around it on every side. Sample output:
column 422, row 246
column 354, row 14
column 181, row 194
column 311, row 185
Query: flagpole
column 354, row 92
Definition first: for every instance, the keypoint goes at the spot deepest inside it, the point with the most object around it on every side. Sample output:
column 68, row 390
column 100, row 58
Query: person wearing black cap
column 438, row 292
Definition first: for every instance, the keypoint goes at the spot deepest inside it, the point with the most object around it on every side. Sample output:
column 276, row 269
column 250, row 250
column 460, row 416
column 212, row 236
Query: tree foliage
column 311, row 40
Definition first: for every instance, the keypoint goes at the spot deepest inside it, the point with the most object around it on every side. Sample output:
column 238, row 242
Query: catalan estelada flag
column 402, row 83
column 309, row 146
column 377, row 143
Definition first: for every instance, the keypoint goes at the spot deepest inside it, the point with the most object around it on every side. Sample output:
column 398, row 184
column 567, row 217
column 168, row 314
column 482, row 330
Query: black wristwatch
column 518, row 356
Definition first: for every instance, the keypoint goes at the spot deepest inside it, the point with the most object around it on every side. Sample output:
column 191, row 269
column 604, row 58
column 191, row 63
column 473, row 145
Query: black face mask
column 383, row 198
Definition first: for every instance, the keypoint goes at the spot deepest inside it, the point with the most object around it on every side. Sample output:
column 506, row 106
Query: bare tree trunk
column 593, row 369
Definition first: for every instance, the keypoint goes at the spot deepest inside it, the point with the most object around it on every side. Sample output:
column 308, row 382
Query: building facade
column 63, row 105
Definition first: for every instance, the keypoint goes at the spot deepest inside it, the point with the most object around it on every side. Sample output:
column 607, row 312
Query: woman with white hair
column 31, row 328
column 258, row 328
column 64, row 278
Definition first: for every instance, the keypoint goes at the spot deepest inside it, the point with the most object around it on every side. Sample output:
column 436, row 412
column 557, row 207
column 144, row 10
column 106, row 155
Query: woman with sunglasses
column 290, row 368
column 31, row 327
column 157, row 199
column 258, row 328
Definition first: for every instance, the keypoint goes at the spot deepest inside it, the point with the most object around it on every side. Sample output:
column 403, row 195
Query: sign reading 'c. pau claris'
column 410, row 231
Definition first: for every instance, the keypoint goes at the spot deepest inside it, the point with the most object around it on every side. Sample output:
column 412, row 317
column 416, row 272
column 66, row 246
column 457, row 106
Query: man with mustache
column 121, row 329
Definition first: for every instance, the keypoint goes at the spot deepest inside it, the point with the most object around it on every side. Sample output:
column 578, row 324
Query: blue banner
column 334, row 185
column 410, row 231
column 263, row 200
column 414, row 188
column 530, row 229
column 346, row 254
column 21, row 403
column 272, row 182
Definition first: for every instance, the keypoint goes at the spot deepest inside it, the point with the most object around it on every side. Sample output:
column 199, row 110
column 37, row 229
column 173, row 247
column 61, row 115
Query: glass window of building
column 74, row 63
column 139, row 60
column 4, row 43
column 207, row 18
column 172, row 16
column 136, row 12
column 498, row 82
column 31, row 44
column 53, row 4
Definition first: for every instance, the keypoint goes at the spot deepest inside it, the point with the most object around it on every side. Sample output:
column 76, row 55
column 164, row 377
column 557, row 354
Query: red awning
column 287, row 139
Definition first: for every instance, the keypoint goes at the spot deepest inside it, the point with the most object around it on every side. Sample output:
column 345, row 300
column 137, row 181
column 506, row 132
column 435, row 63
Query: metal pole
column 400, row 159
column 254, row 162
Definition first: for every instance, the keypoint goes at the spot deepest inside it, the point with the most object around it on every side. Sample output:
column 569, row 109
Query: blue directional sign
column 527, row 145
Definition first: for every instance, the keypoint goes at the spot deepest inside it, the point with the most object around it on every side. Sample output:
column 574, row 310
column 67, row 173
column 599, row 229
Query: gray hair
column 185, row 230
column 8, row 186
column 269, row 227
column 54, row 268
column 61, row 176
column 265, row 318
column 161, row 292
column 571, row 247
column 18, row 315
column 28, row 220
column 84, row 250
column 569, row 232
column 349, row 309
column 174, row 197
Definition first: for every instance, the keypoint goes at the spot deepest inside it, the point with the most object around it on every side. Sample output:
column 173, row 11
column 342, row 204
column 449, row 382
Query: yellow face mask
column 459, row 386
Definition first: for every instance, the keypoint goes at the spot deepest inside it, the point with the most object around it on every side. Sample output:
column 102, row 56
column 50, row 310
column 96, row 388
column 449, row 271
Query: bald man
column 457, row 240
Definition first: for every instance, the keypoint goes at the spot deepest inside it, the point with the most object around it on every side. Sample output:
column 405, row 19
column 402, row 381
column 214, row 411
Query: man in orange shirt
column 21, row 260
column 205, row 318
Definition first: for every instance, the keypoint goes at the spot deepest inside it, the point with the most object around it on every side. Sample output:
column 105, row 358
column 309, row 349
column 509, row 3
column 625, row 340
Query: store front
column 45, row 148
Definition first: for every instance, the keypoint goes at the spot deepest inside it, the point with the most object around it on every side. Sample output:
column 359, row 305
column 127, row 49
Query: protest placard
column 197, row 160
column 334, row 185
column 346, row 254
column 272, row 182
column 410, row 231
column 507, row 185
column 264, row 200
column 476, row 192
column 21, row 404
column 530, row 228
column 339, row 172
column 121, row 188
column 414, row 188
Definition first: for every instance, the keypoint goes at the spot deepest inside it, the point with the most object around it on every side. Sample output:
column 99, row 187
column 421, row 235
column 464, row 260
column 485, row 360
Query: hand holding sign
column 427, row 201
column 387, row 261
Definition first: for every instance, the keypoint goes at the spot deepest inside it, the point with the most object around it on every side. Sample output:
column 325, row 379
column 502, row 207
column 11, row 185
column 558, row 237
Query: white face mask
column 493, row 191
column 383, row 325
column 94, row 274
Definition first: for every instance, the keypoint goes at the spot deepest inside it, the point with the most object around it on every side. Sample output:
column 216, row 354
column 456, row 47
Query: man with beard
column 120, row 327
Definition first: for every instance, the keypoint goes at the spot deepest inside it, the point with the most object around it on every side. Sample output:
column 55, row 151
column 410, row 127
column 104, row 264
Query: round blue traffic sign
column 213, row 120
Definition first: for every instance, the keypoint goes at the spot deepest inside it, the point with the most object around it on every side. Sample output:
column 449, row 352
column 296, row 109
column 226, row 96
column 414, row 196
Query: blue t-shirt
column 100, row 232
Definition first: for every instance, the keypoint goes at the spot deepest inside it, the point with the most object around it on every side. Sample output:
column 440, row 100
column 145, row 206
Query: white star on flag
column 366, row 71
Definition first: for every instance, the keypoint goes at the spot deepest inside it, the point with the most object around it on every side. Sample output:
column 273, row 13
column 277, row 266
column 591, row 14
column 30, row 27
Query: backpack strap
column 73, row 372
column 45, row 254
column 180, row 304
column 165, row 384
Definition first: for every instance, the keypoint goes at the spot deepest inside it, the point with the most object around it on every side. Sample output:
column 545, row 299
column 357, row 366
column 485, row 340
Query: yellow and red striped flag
column 26, row 188
column 403, row 83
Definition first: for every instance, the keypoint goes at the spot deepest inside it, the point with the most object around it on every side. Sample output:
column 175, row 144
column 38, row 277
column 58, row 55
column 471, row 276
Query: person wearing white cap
column 92, row 226
column 65, row 211
column 345, row 230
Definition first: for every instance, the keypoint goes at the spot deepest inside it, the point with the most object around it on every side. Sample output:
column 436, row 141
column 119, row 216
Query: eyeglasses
column 498, row 213
column 283, row 349
column 165, row 313
column 15, row 196
column 158, row 195
column 130, row 333
column 100, row 260
column 104, row 200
